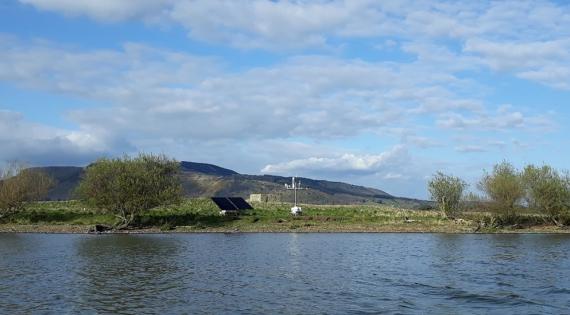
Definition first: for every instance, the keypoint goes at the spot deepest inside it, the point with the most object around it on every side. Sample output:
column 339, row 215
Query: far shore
column 200, row 215
column 82, row 229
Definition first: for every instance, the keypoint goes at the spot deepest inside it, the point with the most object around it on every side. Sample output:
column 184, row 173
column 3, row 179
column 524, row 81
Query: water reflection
column 284, row 274
column 127, row 273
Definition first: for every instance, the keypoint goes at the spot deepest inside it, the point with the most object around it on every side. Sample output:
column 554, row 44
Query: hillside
column 207, row 180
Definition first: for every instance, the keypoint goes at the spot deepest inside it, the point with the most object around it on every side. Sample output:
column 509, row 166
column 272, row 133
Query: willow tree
column 129, row 186
column 20, row 185
column 547, row 191
column 504, row 188
column 447, row 192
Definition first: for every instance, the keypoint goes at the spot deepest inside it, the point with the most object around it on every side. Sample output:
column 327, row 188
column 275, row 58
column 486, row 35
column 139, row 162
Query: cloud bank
column 420, row 85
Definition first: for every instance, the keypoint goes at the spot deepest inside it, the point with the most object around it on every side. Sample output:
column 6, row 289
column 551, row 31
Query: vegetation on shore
column 144, row 194
column 511, row 197
column 19, row 186
column 201, row 215
column 129, row 187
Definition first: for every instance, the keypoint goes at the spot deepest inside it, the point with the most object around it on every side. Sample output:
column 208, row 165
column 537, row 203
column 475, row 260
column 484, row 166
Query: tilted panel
column 223, row 203
column 240, row 203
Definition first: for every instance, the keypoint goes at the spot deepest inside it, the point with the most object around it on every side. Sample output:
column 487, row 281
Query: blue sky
column 377, row 93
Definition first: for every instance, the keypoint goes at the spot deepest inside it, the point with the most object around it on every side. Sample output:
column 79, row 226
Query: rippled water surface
column 285, row 273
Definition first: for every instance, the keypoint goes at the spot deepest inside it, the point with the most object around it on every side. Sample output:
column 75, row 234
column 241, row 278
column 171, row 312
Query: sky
column 376, row 93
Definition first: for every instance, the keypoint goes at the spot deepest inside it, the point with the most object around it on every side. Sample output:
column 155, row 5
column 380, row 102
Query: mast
column 295, row 185
column 295, row 189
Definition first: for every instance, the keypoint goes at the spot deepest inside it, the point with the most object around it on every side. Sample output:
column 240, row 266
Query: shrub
column 20, row 185
column 474, row 203
column 504, row 188
column 547, row 191
column 447, row 192
column 127, row 187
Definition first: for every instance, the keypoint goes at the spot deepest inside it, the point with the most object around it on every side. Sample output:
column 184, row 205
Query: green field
column 201, row 215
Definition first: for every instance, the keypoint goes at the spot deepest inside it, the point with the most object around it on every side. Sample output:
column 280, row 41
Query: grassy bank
column 201, row 215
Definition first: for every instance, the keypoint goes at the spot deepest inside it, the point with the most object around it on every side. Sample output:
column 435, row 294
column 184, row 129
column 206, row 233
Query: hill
column 207, row 180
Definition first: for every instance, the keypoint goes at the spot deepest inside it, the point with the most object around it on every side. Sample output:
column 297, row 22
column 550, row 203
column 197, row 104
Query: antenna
column 295, row 185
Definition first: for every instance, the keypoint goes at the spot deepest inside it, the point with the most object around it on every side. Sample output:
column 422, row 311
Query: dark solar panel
column 240, row 203
column 224, row 203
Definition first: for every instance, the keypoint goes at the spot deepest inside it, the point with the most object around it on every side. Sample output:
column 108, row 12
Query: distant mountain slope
column 67, row 178
column 206, row 169
column 207, row 180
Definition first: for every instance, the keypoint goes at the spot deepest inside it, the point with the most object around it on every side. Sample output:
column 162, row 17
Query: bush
column 504, row 188
column 474, row 203
column 547, row 191
column 20, row 185
column 447, row 192
column 127, row 187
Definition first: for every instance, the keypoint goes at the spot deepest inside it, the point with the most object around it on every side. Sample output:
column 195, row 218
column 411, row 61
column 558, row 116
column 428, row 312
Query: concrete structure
column 264, row 198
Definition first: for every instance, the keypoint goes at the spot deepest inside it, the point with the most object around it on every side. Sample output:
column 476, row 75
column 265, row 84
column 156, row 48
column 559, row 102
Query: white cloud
column 147, row 91
column 343, row 164
column 99, row 74
column 529, row 38
column 470, row 148
column 104, row 10
column 167, row 100
column 39, row 144
column 503, row 119
column 547, row 62
column 155, row 99
column 422, row 142
column 395, row 176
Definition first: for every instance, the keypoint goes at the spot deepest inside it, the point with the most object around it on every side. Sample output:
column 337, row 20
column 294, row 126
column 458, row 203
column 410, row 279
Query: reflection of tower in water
column 295, row 255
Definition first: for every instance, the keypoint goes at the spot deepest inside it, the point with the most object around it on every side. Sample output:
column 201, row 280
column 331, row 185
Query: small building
column 265, row 198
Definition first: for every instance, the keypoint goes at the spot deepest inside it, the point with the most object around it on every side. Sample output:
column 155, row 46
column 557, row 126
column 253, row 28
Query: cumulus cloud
column 503, row 119
column 344, row 164
column 395, row 170
column 470, row 148
column 43, row 145
column 150, row 91
column 546, row 62
column 422, row 142
column 527, row 37
column 99, row 74
column 104, row 10
column 161, row 99
column 148, row 98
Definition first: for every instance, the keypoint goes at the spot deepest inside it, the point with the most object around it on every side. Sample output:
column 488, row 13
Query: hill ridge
column 209, row 180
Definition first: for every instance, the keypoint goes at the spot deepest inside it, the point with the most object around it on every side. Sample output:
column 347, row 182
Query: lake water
column 285, row 274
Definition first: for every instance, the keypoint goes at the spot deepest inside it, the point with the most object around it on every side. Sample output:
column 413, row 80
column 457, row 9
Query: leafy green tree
column 447, row 192
column 547, row 191
column 130, row 186
column 504, row 187
column 20, row 185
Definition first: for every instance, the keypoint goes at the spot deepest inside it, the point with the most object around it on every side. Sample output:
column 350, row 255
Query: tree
column 547, row 191
column 504, row 187
column 447, row 192
column 127, row 187
column 20, row 185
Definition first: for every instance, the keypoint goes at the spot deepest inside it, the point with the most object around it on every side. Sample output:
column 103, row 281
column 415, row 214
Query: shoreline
column 202, row 216
column 84, row 230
